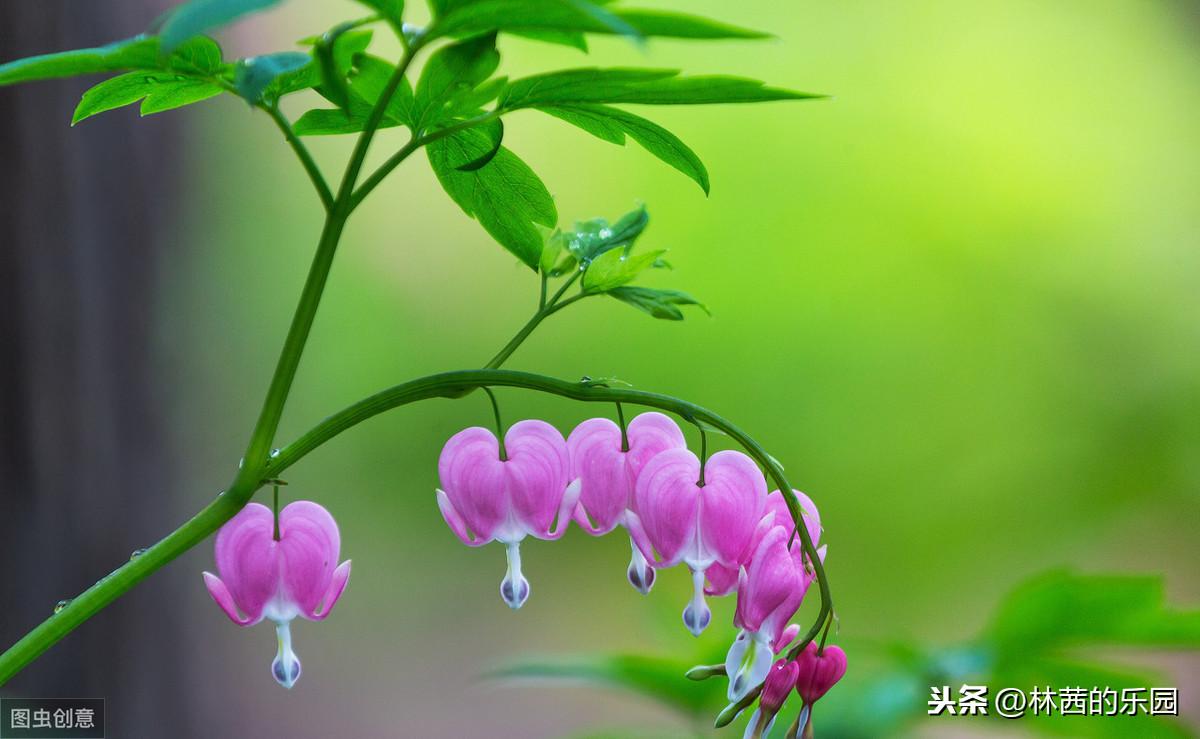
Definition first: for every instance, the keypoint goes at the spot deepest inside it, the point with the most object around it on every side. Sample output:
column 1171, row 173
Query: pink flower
column 819, row 671
column 697, row 524
column 607, row 473
column 279, row 579
column 770, row 590
column 486, row 498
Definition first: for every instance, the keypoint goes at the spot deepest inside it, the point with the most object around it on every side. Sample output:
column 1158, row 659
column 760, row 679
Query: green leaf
column 158, row 91
column 253, row 76
column 139, row 52
column 367, row 81
column 495, row 131
column 200, row 56
column 333, row 76
column 658, row 303
column 573, row 39
column 616, row 267
column 451, row 74
column 552, row 246
column 201, row 16
column 577, row 17
column 642, row 86
column 505, row 195
column 612, row 124
column 392, row 10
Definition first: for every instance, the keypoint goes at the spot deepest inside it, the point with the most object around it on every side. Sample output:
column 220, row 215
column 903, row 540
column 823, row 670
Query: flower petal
column 309, row 544
column 247, row 560
column 668, row 503
column 336, row 585
column 224, row 599
column 601, row 468
column 732, row 501
column 473, row 478
column 537, row 473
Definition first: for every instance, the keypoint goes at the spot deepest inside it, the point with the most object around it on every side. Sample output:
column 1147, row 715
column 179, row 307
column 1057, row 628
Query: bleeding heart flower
column 486, row 497
column 819, row 671
column 771, row 588
column 679, row 519
column 279, row 578
column 607, row 471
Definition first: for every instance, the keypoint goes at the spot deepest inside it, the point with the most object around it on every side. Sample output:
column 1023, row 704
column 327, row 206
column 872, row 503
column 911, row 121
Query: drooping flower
column 776, row 689
column 488, row 497
column 771, row 587
column 820, row 670
column 607, row 472
column 697, row 523
column 262, row 576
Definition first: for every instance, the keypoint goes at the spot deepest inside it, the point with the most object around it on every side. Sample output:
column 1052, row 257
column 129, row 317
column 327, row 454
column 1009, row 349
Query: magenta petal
column 722, row 580
column 473, row 478
column 783, row 517
column 455, row 521
column 336, row 585
column 246, row 559
column 601, row 468
column 734, row 494
column 668, row 502
column 772, row 580
column 221, row 595
column 309, row 544
column 537, row 473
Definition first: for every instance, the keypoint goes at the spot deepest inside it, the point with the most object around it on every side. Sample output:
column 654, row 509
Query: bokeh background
column 957, row 300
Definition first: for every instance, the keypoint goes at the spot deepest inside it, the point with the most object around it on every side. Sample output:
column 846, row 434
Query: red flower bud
column 779, row 683
column 819, row 673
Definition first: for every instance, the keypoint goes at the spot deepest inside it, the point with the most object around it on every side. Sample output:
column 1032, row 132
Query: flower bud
column 779, row 683
column 819, row 672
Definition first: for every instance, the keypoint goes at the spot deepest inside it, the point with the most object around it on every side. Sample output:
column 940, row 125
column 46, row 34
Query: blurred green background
column 957, row 300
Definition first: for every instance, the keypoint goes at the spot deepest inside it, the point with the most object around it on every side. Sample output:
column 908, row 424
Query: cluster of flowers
column 716, row 517
column 811, row 674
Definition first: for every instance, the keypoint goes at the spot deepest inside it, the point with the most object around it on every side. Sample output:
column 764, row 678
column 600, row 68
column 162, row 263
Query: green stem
column 499, row 423
column 314, row 285
column 624, row 429
column 703, row 454
column 310, row 165
column 275, row 510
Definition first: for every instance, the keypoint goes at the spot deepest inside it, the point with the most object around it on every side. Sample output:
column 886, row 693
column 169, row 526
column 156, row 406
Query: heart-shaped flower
column 262, row 576
column 682, row 518
column 487, row 497
column 820, row 670
column 607, row 467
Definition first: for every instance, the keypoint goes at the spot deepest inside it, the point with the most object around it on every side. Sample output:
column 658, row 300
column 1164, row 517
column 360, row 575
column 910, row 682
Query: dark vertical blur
column 85, row 222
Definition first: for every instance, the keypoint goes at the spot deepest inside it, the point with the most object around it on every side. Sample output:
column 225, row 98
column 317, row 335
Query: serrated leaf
column 369, row 78
column 662, row 304
column 641, row 86
column 452, row 73
column 158, row 91
column 139, row 52
column 615, row 268
column 576, row 16
column 253, row 76
column 505, row 196
column 612, row 124
column 201, row 16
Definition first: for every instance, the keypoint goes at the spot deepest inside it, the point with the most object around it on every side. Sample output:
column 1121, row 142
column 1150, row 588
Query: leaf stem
column 499, row 424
